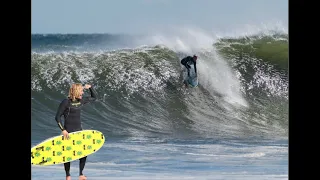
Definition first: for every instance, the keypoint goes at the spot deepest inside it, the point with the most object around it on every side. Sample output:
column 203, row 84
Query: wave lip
column 273, row 49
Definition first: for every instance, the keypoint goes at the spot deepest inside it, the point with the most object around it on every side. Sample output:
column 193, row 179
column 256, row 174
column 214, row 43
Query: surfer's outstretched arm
column 92, row 98
column 62, row 107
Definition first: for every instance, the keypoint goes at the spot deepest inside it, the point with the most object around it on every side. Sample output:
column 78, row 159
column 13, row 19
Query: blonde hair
column 74, row 91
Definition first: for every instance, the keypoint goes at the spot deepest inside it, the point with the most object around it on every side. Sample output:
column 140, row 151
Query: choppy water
column 233, row 126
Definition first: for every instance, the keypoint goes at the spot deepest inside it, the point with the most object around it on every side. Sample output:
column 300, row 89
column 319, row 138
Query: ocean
column 233, row 126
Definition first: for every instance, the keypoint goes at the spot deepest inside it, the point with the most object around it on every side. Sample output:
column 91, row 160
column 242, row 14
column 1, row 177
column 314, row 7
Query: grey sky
column 139, row 16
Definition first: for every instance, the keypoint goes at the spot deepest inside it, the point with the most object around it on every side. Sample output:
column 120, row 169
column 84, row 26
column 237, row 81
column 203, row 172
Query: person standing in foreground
column 190, row 60
column 70, row 108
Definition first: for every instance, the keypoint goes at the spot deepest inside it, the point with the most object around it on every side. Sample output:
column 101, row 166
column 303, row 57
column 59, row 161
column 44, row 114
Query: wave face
column 242, row 93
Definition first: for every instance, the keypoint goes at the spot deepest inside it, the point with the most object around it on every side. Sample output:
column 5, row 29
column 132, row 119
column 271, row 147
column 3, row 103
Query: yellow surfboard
column 57, row 150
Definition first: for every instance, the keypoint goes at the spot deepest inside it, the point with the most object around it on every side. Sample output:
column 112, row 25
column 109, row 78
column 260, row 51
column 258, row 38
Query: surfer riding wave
column 187, row 61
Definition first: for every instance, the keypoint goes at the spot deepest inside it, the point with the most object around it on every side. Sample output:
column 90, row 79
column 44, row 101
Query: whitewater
column 233, row 126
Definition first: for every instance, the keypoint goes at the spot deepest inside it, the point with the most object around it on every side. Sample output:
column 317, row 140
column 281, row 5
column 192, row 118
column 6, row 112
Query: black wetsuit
column 189, row 60
column 71, row 111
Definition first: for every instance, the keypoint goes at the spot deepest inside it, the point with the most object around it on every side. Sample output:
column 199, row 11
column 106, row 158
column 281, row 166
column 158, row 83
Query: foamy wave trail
column 243, row 90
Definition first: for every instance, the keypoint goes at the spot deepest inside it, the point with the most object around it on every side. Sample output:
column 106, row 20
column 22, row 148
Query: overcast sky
column 138, row 16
